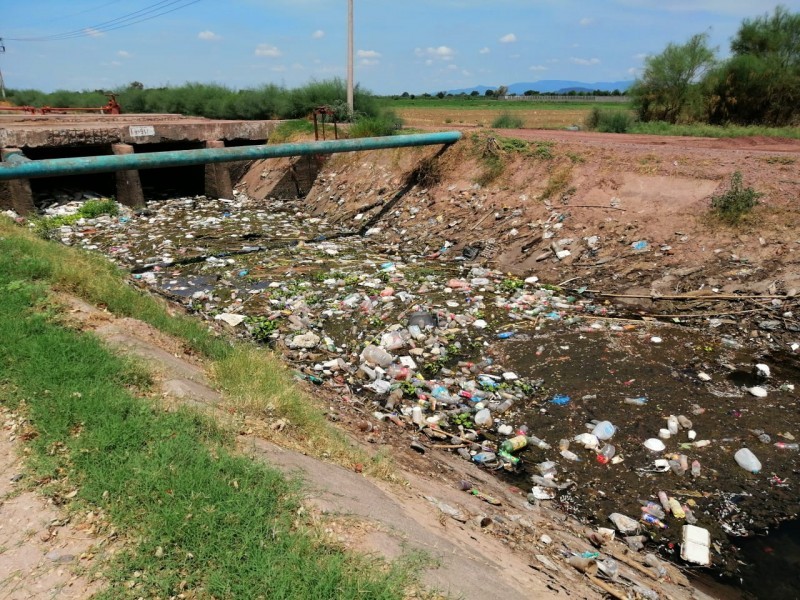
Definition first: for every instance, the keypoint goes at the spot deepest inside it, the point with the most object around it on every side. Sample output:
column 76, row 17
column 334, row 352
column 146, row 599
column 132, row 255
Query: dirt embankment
column 633, row 211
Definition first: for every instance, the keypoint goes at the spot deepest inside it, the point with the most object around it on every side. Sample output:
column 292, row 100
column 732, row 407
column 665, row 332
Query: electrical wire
column 75, row 14
column 145, row 14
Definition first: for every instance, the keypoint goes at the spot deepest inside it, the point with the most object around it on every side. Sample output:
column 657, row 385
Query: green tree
column 670, row 86
column 761, row 81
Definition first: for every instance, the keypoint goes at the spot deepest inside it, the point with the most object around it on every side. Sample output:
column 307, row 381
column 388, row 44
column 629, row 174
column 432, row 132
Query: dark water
column 773, row 570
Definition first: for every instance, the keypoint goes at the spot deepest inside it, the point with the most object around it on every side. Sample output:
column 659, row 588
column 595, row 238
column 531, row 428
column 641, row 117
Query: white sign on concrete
column 142, row 130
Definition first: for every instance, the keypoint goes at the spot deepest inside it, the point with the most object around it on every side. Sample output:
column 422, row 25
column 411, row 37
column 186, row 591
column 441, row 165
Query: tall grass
column 214, row 101
column 506, row 120
column 197, row 520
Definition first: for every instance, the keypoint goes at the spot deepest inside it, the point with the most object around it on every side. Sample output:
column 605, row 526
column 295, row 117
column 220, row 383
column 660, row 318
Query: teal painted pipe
column 16, row 168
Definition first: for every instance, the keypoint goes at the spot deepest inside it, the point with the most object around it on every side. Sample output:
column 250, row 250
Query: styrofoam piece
column 696, row 545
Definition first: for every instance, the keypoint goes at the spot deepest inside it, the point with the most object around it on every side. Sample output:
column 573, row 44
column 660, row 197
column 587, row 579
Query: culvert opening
column 50, row 189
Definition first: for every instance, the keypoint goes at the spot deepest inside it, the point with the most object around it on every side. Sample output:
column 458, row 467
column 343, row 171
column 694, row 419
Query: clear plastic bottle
column 672, row 424
column 606, row 453
column 535, row 441
column 651, row 560
column 786, row 446
column 695, row 468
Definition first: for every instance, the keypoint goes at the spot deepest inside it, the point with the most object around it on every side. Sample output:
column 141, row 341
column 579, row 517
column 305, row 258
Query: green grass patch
column 386, row 123
column 713, row 131
column 289, row 131
column 196, row 517
column 737, row 201
column 506, row 120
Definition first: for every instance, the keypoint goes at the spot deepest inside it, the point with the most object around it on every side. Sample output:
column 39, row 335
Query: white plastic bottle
column 747, row 460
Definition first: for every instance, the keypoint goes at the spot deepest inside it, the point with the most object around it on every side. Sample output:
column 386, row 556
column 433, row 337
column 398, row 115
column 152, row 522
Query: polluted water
column 643, row 427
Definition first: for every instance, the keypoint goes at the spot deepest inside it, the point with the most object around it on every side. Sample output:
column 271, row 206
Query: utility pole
column 2, row 84
column 350, row 56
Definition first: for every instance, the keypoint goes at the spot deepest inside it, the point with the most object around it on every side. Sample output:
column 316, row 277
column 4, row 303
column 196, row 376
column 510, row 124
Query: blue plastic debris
column 505, row 335
column 560, row 400
column 640, row 245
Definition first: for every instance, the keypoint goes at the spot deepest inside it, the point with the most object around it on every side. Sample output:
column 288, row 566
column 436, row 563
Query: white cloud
column 508, row 38
column 585, row 61
column 267, row 50
column 537, row 68
column 640, row 56
column 124, row 54
column 278, row 68
column 366, row 62
column 368, row 54
column 484, row 51
column 428, row 62
column 208, row 36
column 633, row 71
column 439, row 52
column 93, row 32
column 585, row 21
column 452, row 67
column 318, row 34
column 466, row 73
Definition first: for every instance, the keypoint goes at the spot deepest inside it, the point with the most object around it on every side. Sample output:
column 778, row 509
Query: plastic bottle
column 606, row 453
column 651, row 560
column 535, row 441
column 785, row 446
column 416, row 416
column 662, row 497
column 636, row 401
column 570, row 455
column 677, row 509
column 651, row 508
column 604, row 430
column 483, row 458
column 504, row 406
column 651, row 520
column 513, row 444
column 377, row 356
column 747, row 460
column 684, row 460
column 676, row 467
column 483, row 417
column 672, row 424
column 695, row 468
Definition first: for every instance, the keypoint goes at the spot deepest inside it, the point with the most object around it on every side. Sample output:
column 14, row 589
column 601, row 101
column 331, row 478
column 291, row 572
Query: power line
column 145, row 14
column 80, row 12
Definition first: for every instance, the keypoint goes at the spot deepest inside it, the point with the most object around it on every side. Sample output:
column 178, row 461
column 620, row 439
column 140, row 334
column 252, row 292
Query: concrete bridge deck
column 54, row 130
column 68, row 135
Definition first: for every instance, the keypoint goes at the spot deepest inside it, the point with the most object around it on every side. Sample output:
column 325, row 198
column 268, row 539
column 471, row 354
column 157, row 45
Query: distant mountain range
column 551, row 86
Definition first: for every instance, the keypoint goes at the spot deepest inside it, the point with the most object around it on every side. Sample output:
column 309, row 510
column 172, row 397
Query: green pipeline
column 18, row 167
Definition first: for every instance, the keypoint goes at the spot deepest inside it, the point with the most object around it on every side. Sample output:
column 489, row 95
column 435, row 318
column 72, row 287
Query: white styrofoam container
column 696, row 547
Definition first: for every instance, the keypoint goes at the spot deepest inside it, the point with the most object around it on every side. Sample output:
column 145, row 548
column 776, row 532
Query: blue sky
column 401, row 45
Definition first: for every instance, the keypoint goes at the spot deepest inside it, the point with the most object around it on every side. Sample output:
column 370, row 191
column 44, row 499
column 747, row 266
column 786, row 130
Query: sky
column 410, row 46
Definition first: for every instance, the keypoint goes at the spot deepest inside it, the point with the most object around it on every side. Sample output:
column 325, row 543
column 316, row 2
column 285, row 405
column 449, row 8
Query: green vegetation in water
column 91, row 209
column 262, row 328
column 736, row 202
column 198, row 519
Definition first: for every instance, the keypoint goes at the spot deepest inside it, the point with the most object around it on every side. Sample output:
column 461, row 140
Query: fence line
column 543, row 98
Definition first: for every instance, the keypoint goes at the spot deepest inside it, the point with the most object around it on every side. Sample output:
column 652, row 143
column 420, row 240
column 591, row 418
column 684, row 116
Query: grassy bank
column 197, row 518
column 255, row 382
